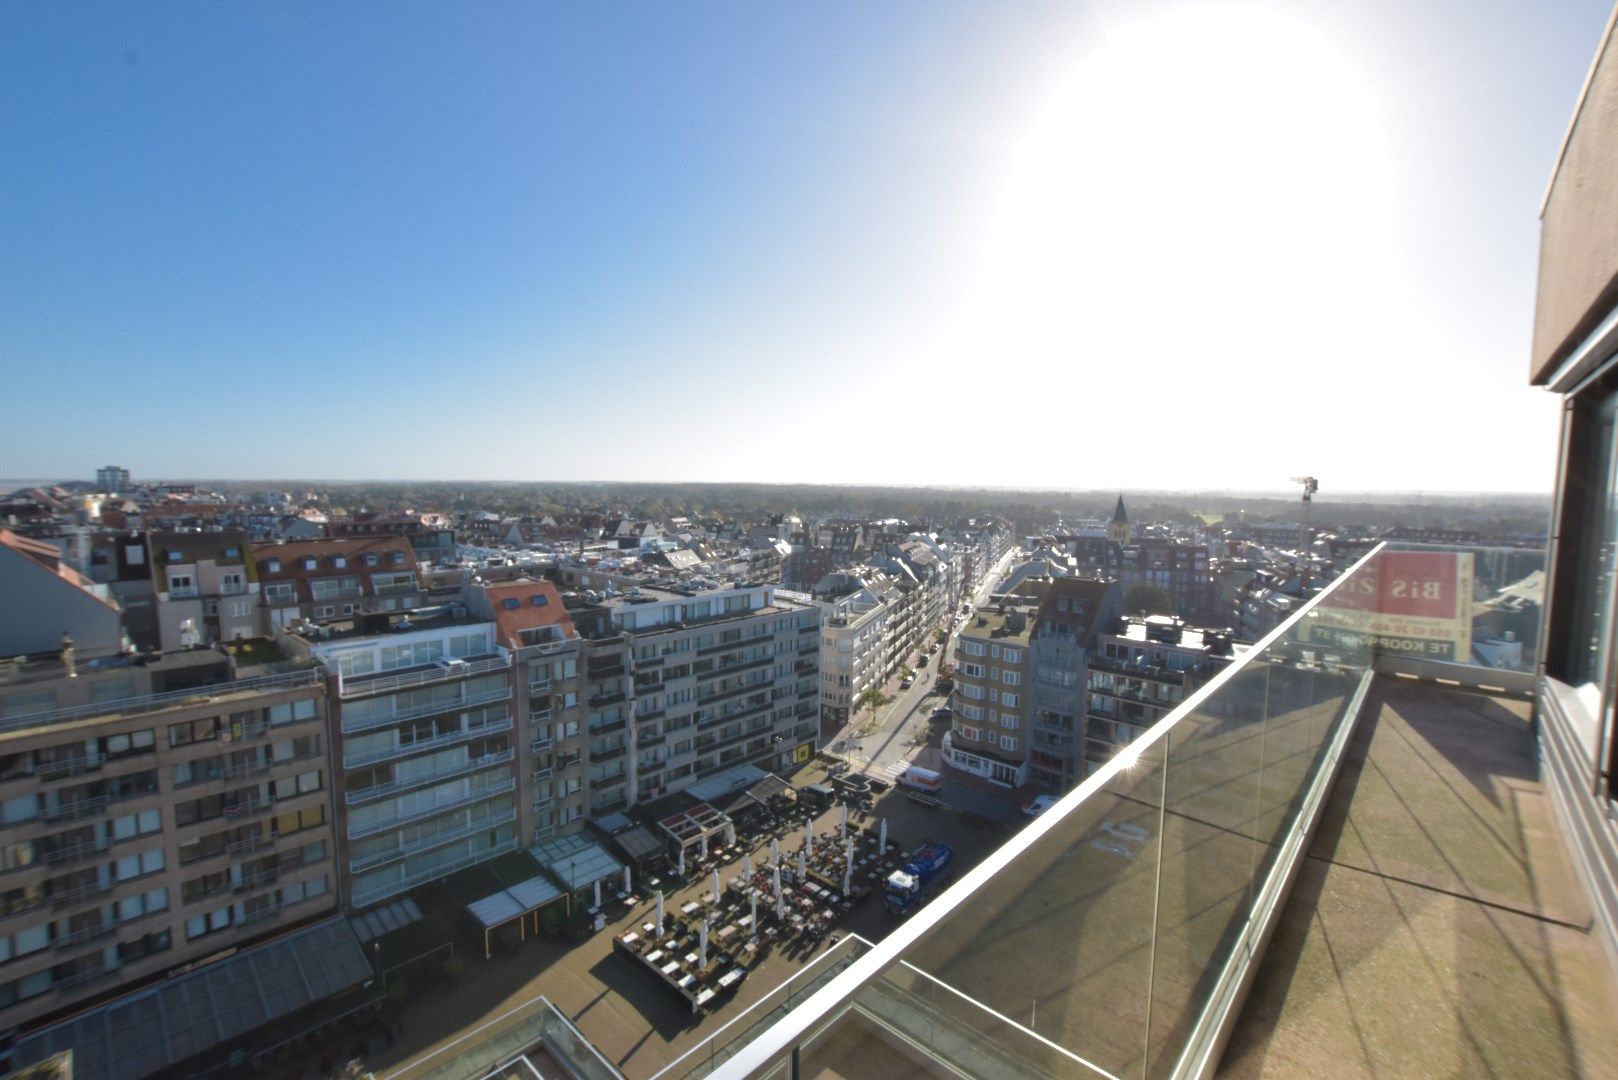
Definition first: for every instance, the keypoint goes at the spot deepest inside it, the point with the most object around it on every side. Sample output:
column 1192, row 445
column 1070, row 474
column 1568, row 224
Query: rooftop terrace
column 1436, row 927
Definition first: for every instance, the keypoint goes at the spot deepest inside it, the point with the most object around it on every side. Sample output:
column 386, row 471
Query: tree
column 873, row 698
column 1149, row 599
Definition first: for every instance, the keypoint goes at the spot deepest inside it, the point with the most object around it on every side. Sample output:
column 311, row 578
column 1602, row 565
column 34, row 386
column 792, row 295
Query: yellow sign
column 804, row 752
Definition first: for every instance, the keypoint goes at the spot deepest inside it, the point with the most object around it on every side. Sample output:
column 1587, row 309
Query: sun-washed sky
column 1085, row 245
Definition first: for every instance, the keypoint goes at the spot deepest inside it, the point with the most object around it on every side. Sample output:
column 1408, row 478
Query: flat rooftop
column 988, row 622
column 1436, row 927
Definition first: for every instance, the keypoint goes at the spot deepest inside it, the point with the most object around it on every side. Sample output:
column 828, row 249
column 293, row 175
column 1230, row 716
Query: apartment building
column 430, row 535
column 693, row 682
column 153, row 814
column 1070, row 616
column 531, row 621
column 424, row 746
column 990, row 734
column 853, row 647
column 205, row 587
column 1140, row 669
column 112, row 479
column 324, row 580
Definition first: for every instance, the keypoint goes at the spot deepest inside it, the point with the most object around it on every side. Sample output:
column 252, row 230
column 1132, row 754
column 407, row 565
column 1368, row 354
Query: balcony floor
column 1436, row 927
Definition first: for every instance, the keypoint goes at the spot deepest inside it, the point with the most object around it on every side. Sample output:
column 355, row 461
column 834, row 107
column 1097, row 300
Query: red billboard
column 1413, row 603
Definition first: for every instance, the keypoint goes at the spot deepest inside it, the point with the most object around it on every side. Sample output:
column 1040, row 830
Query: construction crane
column 1310, row 486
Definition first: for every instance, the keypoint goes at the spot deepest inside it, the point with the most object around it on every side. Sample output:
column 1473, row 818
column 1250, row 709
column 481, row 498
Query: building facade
column 147, row 826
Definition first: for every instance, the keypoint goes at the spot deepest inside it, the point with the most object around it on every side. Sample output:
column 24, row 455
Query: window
column 371, row 559
column 1008, row 742
column 1009, row 700
column 339, row 562
column 194, row 731
column 310, row 563
column 398, row 558
column 272, row 566
column 1010, row 655
column 1009, row 721
column 1011, row 678
column 290, row 711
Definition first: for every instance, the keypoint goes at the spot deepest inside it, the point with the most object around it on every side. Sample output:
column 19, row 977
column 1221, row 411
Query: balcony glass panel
column 1107, row 937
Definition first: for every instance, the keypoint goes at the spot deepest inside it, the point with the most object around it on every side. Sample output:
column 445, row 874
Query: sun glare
column 1204, row 188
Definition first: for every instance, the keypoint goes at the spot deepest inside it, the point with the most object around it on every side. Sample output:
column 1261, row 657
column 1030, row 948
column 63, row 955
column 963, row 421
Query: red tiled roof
column 523, row 613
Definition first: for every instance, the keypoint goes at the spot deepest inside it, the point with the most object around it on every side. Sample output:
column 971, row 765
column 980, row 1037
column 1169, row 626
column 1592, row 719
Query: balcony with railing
column 1336, row 869
column 407, row 783
column 448, row 738
column 145, row 703
column 426, row 843
column 370, row 892
column 445, row 802
column 441, row 671
column 355, row 725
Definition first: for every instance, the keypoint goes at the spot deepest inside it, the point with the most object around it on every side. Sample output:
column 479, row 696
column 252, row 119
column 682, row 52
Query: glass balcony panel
column 1063, row 934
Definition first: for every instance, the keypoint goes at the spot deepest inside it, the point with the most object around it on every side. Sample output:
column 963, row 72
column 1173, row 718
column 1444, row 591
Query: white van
column 921, row 779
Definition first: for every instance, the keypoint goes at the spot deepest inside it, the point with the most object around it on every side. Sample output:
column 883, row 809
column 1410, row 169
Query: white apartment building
column 853, row 633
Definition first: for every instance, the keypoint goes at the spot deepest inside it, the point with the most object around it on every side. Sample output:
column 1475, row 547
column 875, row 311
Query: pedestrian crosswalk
column 896, row 768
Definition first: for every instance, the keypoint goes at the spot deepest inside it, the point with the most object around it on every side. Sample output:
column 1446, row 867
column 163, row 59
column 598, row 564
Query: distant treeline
column 1026, row 511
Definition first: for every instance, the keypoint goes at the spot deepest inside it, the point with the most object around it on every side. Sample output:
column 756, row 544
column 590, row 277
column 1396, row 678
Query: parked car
column 1039, row 805
column 906, row 683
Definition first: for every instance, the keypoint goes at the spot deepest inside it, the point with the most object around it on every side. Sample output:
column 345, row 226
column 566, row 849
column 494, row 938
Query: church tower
column 1118, row 530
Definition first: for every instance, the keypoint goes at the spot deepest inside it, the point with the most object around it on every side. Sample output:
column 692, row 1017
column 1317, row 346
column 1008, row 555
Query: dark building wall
column 1578, row 258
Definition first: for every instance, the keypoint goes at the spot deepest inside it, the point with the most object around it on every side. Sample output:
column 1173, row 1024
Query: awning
column 575, row 861
column 690, row 825
column 639, row 846
column 169, row 1022
column 721, row 784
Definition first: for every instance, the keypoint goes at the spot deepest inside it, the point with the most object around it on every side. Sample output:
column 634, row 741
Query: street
column 898, row 734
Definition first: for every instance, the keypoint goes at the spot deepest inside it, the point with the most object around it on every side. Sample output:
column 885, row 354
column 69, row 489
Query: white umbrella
column 850, row 853
column 843, row 820
column 730, row 834
column 659, row 931
column 752, row 909
column 682, row 861
column 848, row 882
column 808, row 836
column 702, row 846
column 882, row 837
column 626, row 879
column 780, row 898
column 775, row 851
column 716, row 885
column 801, row 868
column 702, row 947
column 598, row 892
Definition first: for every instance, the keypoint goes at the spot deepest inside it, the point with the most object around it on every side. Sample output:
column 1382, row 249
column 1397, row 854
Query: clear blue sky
column 819, row 242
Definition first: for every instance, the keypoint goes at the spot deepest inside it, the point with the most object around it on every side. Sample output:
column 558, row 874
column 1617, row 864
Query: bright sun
column 1209, row 183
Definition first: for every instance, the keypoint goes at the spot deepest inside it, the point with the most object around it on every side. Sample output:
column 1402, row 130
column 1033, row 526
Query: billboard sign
column 1414, row 603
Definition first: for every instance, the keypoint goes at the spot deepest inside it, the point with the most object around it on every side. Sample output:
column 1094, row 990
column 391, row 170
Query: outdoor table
column 746, row 920
column 691, row 958
column 630, row 938
column 654, row 956
column 726, row 932
column 705, row 997
column 670, row 968
column 647, row 928
column 690, row 906
column 731, row 977
column 685, row 981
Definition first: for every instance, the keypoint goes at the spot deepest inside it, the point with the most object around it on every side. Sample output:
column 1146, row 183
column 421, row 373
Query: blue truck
column 925, row 874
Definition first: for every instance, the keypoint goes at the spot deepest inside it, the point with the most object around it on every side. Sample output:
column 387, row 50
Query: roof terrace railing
column 1116, row 934
column 169, row 699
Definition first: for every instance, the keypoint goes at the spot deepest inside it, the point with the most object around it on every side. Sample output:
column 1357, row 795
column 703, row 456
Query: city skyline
column 626, row 245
